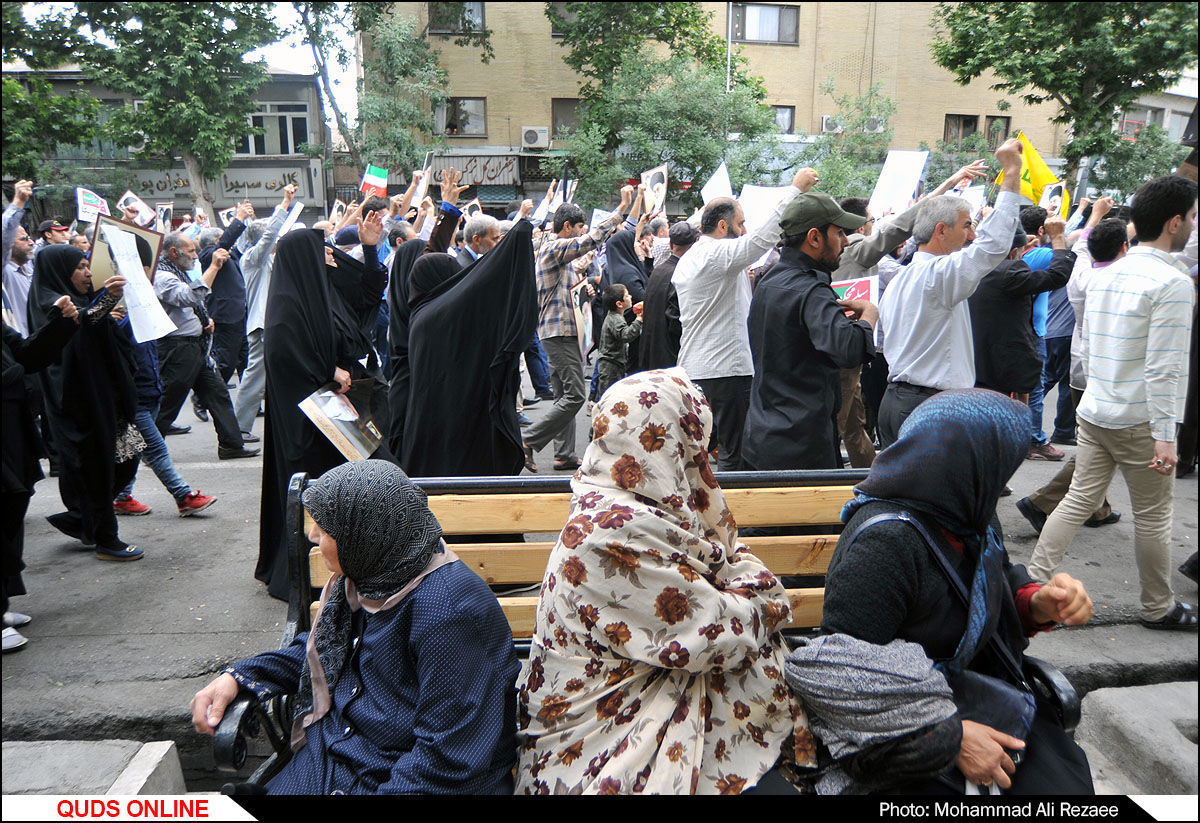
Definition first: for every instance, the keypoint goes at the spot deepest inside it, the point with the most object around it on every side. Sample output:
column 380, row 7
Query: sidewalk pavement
column 116, row 650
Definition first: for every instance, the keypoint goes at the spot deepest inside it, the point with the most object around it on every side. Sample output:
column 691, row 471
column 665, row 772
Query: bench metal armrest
column 1055, row 690
column 245, row 718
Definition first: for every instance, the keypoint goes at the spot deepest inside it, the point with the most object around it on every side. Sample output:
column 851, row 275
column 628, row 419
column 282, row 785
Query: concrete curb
column 114, row 767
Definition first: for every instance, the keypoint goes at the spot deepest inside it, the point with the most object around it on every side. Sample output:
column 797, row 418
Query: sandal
column 529, row 464
column 566, row 465
column 1181, row 618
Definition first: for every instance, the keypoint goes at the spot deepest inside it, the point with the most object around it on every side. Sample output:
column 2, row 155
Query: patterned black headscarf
column 386, row 536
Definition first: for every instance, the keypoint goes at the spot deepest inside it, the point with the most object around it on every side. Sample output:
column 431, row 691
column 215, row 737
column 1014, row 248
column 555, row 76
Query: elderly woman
column 656, row 665
column 887, row 581
column 406, row 682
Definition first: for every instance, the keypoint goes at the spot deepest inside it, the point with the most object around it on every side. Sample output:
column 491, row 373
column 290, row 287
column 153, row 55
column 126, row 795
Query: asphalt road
column 117, row 649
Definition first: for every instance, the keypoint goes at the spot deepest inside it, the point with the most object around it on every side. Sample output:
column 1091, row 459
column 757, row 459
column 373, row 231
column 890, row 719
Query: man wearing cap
column 926, row 323
column 661, row 331
column 714, row 301
column 800, row 338
column 51, row 233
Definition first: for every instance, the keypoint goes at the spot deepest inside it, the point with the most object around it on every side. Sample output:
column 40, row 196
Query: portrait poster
column 345, row 419
column 164, row 212
column 655, row 201
column 117, row 245
column 103, row 261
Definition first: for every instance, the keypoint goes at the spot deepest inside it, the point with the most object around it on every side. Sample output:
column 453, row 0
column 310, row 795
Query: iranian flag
column 374, row 182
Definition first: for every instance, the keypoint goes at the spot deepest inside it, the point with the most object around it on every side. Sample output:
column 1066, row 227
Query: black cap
column 814, row 209
column 51, row 225
column 683, row 234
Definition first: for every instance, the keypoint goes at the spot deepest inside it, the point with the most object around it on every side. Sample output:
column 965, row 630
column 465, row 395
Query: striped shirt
column 1137, row 323
column 556, row 314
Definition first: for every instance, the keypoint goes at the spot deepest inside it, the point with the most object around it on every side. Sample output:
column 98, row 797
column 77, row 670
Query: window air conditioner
column 535, row 137
column 830, row 125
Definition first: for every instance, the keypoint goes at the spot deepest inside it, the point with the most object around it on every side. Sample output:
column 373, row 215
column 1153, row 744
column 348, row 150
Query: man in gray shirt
column 183, row 358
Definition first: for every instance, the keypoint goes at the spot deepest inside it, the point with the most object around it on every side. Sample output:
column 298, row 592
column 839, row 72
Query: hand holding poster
column 145, row 214
column 293, row 216
column 862, row 288
column 423, row 181
column 345, row 419
column 655, row 201
column 89, row 205
column 116, row 251
column 718, row 185
column 226, row 215
column 896, row 188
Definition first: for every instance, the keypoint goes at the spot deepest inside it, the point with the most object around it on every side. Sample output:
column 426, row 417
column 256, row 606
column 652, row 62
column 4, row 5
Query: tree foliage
column 185, row 63
column 849, row 161
column 1093, row 59
column 1130, row 163
column 651, row 114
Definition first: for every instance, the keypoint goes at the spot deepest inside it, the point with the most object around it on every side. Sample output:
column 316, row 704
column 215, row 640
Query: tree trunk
column 323, row 73
column 200, row 195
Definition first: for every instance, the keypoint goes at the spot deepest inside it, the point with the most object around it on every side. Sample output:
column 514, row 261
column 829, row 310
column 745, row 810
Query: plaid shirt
column 556, row 314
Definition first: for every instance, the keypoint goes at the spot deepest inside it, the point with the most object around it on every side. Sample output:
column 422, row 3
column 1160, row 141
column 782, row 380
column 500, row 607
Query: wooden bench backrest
column 533, row 505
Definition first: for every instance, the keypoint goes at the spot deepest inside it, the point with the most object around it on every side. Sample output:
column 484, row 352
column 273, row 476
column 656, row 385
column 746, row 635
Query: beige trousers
column 1101, row 452
column 851, row 420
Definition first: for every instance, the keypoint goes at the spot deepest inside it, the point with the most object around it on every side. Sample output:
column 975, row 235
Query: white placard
column 226, row 215
column 718, row 185
column 423, row 183
column 146, row 314
column 89, row 205
column 655, row 200
column 896, row 188
column 598, row 217
column 757, row 203
column 976, row 196
column 292, row 217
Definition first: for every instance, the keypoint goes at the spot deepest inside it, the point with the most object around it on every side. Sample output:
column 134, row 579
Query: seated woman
column 406, row 682
column 947, row 469
column 656, row 665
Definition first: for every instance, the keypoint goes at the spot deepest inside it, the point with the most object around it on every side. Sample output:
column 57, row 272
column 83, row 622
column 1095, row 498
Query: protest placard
column 292, row 217
column 345, row 419
column 226, row 215
column 117, row 247
column 598, row 217
column 374, row 182
column 145, row 214
column 164, row 212
column 89, row 205
column 718, row 185
column 861, row 288
column 473, row 208
column 896, row 188
column 655, row 201
column 977, row 197
column 339, row 209
column 757, row 203
column 423, row 183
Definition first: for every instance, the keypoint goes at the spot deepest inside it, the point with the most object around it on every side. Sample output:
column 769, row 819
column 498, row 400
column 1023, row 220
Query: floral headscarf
column 655, row 666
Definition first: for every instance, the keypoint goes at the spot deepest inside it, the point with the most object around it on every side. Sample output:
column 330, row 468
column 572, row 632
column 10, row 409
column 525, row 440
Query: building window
column 997, row 130
column 564, row 112
column 1178, row 124
column 785, row 118
column 441, row 20
column 758, row 23
column 565, row 14
column 463, row 116
column 285, row 129
column 960, row 127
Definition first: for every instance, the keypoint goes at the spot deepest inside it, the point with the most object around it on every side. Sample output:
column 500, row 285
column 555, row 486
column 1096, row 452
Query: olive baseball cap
column 814, row 209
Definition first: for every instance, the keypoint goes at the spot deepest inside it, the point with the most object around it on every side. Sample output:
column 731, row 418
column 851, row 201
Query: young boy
column 616, row 335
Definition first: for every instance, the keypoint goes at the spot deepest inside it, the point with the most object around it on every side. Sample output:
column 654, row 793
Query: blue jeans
column 1056, row 371
column 1035, row 401
column 539, row 367
column 156, row 456
column 381, row 340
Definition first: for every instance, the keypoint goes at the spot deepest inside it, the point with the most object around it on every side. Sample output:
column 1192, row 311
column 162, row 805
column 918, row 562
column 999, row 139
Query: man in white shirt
column 714, row 302
column 924, row 315
column 1136, row 328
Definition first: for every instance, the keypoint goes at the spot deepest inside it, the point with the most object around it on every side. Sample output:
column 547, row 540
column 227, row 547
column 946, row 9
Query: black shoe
column 201, row 412
column 545, row 395
column 69, row 526
column 1006, row 492
column 173, row 429
column 1097, row 522
column 532, row 401
column 1064, row 441
column 1188, row 569
column 248, row 437
column 233, row 454
column 1032, row 513
column 260, row 412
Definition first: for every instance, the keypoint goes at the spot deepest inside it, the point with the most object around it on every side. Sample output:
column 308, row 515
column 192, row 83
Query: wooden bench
column 806, row 503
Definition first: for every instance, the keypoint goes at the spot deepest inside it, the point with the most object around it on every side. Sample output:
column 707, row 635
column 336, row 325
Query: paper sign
column 718, row 185
column 336, row 213
column 163, row 214
column 896, row 188
column 655, row 200
column 598, row 217
column 757, row 202
column 1052, row 198
column 976, row 196
column 226, row 215
column 862, row 288
column 473, row 208
column 571, row 191
column 292, row 217
column 423, row 185
column 145, row 214
column 542, row 211
column 146, row 315
column 89, row 205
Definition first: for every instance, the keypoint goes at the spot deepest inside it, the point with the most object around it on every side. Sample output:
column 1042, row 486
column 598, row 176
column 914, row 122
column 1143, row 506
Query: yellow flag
column 1036, row 176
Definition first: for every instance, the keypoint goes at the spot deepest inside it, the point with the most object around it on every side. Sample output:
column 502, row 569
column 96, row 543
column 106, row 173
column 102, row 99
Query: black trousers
column 93, row 507
column 898, row 403
column 12, row 524
column 730, row 401
column 182, row 367
column 874, row 383
column 230, row 348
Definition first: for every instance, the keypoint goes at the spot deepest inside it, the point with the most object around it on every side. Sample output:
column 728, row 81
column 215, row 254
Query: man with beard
column 18, row 262
column 800, row 337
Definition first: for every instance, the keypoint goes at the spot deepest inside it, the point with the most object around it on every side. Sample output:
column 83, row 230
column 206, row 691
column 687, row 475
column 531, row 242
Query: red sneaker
column 195, row 502
column 129, row 506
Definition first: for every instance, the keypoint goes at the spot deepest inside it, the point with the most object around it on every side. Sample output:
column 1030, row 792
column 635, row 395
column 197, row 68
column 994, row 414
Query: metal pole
column 728, row 48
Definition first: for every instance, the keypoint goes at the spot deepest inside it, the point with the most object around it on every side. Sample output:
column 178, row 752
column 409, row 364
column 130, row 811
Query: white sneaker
column 15, row 620
column 13, row 640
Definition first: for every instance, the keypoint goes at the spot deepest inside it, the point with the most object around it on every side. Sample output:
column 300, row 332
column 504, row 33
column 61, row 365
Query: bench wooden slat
column 509, row 563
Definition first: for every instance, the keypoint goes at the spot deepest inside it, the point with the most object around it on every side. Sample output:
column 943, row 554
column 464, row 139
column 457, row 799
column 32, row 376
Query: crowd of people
column 657, row 664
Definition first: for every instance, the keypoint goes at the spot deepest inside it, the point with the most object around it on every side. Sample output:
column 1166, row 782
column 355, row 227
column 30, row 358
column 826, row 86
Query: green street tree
column 1093, row 59
column 849, row 160
column 1130, row 163
column 184, row 64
